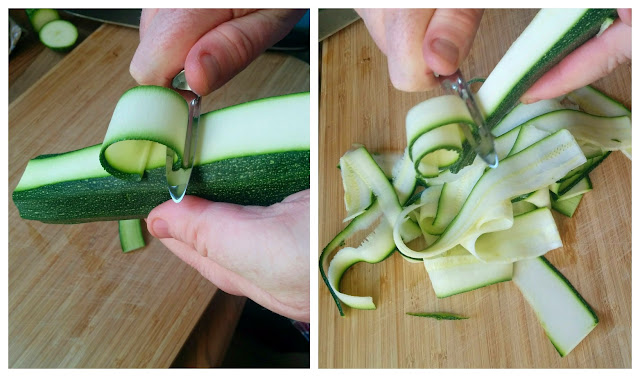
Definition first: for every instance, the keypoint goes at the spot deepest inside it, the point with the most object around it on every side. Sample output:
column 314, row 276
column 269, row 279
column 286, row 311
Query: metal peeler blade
column 178, row 180
column 482, row 140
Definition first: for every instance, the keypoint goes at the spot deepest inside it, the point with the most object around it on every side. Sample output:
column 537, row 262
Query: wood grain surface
column 75, row 300
column 359, row 105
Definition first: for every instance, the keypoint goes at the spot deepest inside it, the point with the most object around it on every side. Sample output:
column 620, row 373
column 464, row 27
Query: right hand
column 419, row 42
column 593, row 60
column 212, row 45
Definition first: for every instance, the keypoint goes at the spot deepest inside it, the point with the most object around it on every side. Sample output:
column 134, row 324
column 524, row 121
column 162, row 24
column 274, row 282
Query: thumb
column 226, row 50
column 208, row 227
column 449, row 38
column 229, row 234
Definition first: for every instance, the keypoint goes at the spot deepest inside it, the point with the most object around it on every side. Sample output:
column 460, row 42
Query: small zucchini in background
column 59, row 35
column 439, row 316
column 41, row 17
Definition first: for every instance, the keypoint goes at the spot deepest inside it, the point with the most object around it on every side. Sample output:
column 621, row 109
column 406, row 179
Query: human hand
column 258, row 252
column 212, row 45
column 419, row 42
column 593, row 60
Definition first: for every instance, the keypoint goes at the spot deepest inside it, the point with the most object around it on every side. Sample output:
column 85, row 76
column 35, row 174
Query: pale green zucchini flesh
column 252, row 153
column 131, row 237
column 59, row 35
column 550, row 36
column 379, row 244
column 564, row 315
column 567, row 207
column 458, row 271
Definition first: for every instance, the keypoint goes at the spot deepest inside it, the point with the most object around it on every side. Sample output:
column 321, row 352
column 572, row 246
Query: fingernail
column 446, row 50
column 210, row 68
column 160, row 229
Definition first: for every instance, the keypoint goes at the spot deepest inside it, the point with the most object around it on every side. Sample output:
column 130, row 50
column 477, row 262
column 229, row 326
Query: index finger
column 167, row 35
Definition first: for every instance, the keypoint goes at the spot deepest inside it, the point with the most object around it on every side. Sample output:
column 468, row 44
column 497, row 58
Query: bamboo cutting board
column 359, row 105
column 75, row 300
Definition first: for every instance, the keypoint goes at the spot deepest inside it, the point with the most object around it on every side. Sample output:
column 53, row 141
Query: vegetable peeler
column 482, row 139
column 177, row 180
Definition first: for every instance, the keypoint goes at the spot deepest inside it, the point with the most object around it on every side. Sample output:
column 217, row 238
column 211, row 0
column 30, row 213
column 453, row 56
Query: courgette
column 253, row 153
column 131, row 237
column 41, row 17
column 567, row 207
column 550, row 36
column 458, row 271
column 439, row 316
column 59, row 35
column 564, row 315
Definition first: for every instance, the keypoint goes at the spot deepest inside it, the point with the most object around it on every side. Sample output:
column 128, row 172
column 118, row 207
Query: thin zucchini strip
column 458, row 271
column 567, row 207
column 564, row 315
column 433, row 136
column 439, row 316
column 608, row 133
column 583, row 186
column 524, row 112
column 595, row 102
column 361, row 163
column 145, row 119
column 403, row 183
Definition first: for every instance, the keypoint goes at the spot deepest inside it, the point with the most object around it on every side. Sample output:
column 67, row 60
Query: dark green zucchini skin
column 253, row 180
column 587, row 27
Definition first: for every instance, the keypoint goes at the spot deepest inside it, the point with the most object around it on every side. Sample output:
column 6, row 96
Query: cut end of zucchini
column 131, row 237
column 59, row 35
column 41, row 17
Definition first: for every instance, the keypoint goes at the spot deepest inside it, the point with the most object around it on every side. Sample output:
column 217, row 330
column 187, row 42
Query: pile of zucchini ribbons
column 480, row 225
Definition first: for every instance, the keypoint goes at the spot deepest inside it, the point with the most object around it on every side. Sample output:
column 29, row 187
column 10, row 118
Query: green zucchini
column 582, row 186
column 564, row 315
column 439, row 316
column 550, row 36
column 253, row 153
column 379, row 244
column 567, row 207
column 458, row 271
column 59, row 35
column 595, row 102
column 566, row 184
column 533, row 168
column 41, row 17
column 131, row 237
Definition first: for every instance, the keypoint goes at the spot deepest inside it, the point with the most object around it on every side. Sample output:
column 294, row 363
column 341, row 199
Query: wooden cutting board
column 359, row 105
column 75, row 300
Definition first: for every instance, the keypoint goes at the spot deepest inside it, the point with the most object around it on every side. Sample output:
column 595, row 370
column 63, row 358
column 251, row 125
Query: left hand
column 258, row 252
